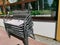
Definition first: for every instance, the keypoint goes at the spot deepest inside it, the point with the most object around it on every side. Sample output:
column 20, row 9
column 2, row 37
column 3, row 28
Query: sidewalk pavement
column 5, row 40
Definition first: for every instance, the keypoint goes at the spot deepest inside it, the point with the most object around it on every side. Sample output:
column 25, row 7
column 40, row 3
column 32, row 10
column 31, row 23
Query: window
column 40, row 9
column 44, row 8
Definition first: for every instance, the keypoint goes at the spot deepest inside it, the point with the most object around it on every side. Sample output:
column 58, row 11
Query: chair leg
column 32, row 34
column 25, row 37
column 9, row 34
column 26, row 41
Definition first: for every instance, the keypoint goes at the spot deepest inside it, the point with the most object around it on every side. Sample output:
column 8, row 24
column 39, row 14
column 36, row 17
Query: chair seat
column 15, row 22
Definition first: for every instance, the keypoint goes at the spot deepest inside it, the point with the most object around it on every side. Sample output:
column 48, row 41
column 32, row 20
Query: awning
column 1, row 2
column 26, row 1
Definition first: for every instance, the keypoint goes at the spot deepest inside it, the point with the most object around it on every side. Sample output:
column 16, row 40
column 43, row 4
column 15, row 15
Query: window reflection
column 44, row 8
column 40, row 7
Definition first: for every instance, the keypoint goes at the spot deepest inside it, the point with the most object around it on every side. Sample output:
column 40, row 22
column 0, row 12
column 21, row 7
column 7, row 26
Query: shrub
column 40, row 12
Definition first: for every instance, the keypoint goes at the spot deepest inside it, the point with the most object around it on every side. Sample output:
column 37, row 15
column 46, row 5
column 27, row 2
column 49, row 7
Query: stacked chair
column 22, row 29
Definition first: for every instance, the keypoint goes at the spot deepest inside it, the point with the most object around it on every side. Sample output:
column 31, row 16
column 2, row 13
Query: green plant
column 10, row 12
column 40, row 12
column 32, row 12
column 37, row 12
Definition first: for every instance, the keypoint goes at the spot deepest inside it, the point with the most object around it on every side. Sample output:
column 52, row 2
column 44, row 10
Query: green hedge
column 35, row 12
column 40, row 12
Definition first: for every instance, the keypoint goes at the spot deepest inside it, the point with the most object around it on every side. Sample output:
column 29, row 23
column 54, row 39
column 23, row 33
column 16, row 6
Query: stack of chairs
column 22, row 29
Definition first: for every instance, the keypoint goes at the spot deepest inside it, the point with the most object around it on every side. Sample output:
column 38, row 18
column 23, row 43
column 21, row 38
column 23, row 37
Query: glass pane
column 38, row 8
column 44, row 8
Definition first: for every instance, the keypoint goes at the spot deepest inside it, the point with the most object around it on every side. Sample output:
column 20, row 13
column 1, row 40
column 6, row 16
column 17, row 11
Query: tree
column 43, row 4
column 40, row 4
column 46, row 5
column 54, row 5
column 35, row 4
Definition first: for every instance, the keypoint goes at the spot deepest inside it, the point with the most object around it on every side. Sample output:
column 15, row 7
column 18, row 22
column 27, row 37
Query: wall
column 45, row 28
column 42, row 28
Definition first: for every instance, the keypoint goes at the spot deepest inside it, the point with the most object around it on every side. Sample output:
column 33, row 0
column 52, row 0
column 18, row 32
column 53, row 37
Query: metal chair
column 23, row 30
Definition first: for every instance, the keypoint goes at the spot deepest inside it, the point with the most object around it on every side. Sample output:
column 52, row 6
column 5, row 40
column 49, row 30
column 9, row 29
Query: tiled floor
column 4, row 40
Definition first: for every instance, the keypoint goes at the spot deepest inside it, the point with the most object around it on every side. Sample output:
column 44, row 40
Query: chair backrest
column 21, row 14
